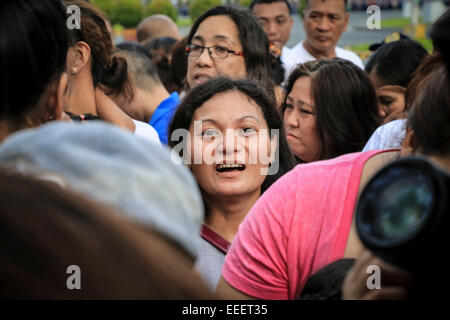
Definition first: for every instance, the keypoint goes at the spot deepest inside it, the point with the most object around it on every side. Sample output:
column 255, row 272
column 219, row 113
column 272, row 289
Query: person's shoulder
column 349, row 55
column 294, row 56
column 296, row 51
column 146, row 131
column 388, row 136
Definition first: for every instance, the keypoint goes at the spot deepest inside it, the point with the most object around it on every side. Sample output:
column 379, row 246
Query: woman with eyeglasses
column 227, row 41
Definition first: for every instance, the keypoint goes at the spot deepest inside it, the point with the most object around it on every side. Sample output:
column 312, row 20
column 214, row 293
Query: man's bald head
column 157, row 26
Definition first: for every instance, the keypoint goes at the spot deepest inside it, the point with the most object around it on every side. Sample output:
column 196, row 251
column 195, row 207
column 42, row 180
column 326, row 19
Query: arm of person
column 108, row 111
column 256, row 266
column 226, row 292
column 394, row 282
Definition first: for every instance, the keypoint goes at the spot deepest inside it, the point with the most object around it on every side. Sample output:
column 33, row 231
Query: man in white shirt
column 275, row 18
column 324, row 22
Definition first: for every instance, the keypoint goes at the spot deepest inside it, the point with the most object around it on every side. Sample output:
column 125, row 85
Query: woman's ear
column 409, row 144
column 78, row 57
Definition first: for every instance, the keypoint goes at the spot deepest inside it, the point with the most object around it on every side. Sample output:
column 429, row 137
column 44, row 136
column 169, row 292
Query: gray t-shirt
column 209, row 263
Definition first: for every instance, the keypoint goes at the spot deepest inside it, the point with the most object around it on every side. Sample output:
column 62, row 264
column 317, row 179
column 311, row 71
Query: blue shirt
column 162, row 116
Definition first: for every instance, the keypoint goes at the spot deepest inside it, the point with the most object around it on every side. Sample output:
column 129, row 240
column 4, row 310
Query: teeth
column 202, row 78
column 229, row 166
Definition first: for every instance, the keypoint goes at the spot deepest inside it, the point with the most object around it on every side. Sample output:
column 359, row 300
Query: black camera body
column 403, row 217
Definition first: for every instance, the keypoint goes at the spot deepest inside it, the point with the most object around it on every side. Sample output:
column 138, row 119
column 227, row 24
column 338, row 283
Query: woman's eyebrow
column 223, row 38
column 304, row 103
column 248, row 116
column 209, row 120
column 199, row 38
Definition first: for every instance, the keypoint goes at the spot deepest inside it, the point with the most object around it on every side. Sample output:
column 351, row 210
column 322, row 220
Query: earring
column 50, row 118
column 75, row 70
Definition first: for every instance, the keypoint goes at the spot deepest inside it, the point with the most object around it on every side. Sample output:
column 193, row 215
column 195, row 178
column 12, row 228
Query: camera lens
column 397, row 206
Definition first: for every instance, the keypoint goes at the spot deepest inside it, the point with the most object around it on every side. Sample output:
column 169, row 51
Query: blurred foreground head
column 45, row 229
column 33, row 51
column 112, row 167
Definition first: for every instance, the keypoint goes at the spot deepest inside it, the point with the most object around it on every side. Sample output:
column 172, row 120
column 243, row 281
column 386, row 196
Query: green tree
column 127, row 12
column 244, row 3
column 107, row 6
column 162, row 7
column 197, row 7
column 301, row 7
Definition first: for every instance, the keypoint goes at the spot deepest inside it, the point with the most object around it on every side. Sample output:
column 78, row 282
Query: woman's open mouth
column 221, row 168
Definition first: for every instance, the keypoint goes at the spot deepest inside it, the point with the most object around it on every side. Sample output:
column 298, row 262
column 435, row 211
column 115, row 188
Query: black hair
column 202, row 93
column 33, row 50
column 165, row 43
column 394, row 63
column 255, row 2
column 159, row 50
column 253, row 39
column 277, row 71
column 441, row 37
column 178, row 66
column 429, row 116
column 345, row 104
column 307, row 1
column 140, row 66
column 326, row 283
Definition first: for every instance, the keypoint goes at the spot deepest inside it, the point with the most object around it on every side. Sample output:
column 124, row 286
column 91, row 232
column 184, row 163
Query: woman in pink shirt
column 305, row 220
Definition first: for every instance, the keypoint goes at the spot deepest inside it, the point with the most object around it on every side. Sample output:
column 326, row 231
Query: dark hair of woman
column 157, row 46
column 429, row 116
column 159, row 50
column 326, row 283
column 345, row 104
column 253, row 39
column 44, row 230
column 179, row 65
column 108, row 69
column 425, row 70
column 394, row 63
column 277, row 71
column 441, row 37
column 33, row 51
column 202, row 93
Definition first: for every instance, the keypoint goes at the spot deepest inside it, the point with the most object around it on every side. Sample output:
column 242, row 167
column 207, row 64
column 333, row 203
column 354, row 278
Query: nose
column 230, row 145
column 292, row 119
column 271, row 29
column 204, row 59
column 324, row 24
column 382, row 111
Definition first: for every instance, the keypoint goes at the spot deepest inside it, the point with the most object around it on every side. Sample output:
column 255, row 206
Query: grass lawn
column 184, row 22
column 364, row 53
column 398, row 22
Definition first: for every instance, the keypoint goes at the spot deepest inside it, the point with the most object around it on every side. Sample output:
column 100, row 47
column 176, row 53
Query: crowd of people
column 222, row 164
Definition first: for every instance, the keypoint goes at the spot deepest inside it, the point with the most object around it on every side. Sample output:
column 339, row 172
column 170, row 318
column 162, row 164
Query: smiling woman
column 229, row 124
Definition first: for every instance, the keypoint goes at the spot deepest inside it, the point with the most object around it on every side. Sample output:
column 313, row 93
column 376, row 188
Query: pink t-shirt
column 299, row 225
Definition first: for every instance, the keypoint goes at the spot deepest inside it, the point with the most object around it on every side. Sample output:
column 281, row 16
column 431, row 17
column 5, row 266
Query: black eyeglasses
column 215, row 52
